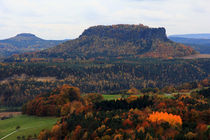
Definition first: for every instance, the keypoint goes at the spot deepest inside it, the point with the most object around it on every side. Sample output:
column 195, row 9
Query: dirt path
column 9, row 134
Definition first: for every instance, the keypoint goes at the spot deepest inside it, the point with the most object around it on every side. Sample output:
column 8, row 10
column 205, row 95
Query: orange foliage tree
column 159, row 117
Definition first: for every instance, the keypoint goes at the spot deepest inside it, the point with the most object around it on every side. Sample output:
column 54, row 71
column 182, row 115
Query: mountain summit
column 25, row 42
column 126, row 32
column 25, row 35
column 117, row 41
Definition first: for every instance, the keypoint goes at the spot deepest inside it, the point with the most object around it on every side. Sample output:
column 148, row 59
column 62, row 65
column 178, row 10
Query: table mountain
column 116, row 41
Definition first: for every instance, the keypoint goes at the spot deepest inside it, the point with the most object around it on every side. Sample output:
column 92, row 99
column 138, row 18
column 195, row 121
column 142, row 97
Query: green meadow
column 116, row 96
column 29, row 125
column 111, row 97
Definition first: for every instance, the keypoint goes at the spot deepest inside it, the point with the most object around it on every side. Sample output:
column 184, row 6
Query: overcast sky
column 66, row 19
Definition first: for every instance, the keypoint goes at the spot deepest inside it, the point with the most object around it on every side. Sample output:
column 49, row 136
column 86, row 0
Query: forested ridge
column 21, row 82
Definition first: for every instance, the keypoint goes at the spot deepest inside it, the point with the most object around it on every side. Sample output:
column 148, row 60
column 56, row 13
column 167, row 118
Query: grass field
column 29, row 125
column 111, row 97
column 116, row 96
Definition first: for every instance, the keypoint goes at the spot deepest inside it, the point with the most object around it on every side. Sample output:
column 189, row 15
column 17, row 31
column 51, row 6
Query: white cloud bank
column 61, row 19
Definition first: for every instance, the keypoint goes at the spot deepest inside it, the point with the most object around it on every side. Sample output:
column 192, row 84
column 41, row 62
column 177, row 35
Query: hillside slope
column 25, row 42
column 116, row 41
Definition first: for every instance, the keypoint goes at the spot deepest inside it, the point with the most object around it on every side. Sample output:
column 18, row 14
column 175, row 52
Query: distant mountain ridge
column 199, row 43
column 115, row 41
column 25, row 42
column 195, row 36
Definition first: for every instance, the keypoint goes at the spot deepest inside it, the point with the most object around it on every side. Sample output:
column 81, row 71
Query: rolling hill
column 25, row 42
column 114, row 41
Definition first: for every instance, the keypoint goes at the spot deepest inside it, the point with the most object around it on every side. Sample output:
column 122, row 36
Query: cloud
column 53, row 19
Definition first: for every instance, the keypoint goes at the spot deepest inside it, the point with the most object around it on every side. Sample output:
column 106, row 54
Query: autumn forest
column 116, row 82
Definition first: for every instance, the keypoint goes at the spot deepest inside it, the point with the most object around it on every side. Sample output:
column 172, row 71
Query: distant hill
column 200, row 45
column 25, row 42
column 195, row 36
column 115, row 41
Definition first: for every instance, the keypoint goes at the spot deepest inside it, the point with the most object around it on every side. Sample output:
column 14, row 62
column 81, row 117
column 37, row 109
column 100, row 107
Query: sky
column 67, row 19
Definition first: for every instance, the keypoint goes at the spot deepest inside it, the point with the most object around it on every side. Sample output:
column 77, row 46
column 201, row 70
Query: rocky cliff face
column 126, row 32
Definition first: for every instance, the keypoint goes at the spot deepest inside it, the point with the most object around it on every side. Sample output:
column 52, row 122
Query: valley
column 112, row 82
